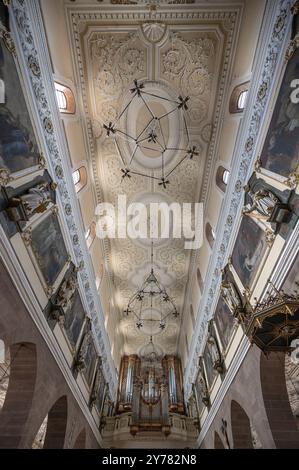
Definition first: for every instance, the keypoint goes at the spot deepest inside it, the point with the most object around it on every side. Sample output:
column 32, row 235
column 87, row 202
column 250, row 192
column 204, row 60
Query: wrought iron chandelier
column 151, row 296
column 151, row 137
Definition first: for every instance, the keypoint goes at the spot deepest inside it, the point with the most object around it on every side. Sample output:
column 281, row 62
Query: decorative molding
column 29, row 39
column 224, row 27
column 275, row 36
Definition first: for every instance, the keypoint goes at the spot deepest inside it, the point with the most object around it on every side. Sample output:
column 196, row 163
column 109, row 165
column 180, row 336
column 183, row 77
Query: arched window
column 90, row 234
column 187, row 344
column 80, row 178
column 199, row 280
column 2, row 91
column 239, row 98
column 65, row 99
column 100, row 276
column 242, row 100
column 4, row 372
column 192, row 316
column 40, row 437
column 222, row 177
column 210, row 234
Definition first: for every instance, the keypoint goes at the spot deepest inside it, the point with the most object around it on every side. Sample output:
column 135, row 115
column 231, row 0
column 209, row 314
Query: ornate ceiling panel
column 176, row 52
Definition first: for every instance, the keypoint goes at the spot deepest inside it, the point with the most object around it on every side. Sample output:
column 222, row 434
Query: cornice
column 233, row 15
column 265, row 71
column 216, row 127
column 32, row 50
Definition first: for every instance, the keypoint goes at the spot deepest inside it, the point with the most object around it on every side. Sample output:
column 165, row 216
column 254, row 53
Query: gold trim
column 7, row 39
column 295, row 8
column 27, row 236
column 292, row 47
column 5, row 177
column 41, row 161
column 270, row 237
column 293, row 179
column 258, row 165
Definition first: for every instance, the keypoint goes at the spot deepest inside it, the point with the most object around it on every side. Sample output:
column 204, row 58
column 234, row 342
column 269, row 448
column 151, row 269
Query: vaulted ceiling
column 175, row 51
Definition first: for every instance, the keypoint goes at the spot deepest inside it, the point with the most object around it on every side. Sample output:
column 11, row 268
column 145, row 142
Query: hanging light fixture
column 152, row 136
column 151, row 297
column 272, row 323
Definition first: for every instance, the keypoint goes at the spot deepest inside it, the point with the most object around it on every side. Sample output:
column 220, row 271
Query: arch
column 199, row 280
column 276, row 400
column 222, row 177
column 80, row 442
column 80, row 178
column 18, row 400
column 241, row 430
column 238, row 98
column 4, row 371
column 210, row 234
column 39, row 439
column 65, row 99
column 218, row 444
column 56, row 426
column 90, row 234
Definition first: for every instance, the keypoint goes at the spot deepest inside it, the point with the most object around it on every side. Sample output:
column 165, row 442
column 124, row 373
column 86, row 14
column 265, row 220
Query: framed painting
column 224, row 321
column 74, row 319
column 90, row 362
column 280, row 153
column 200, row 393
column 18, row 146
column 210, row 371
column 100, row 390
column 249, row 250
column 47, row 243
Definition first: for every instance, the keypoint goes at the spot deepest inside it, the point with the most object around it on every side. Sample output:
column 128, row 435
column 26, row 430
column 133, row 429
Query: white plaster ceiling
column 179, row 54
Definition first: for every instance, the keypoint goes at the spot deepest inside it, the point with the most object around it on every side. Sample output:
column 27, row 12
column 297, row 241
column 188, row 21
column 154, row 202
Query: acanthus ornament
column 7, row 39
column 293, row 179
column 5, row 177
column 295, row 8
column 270, row 237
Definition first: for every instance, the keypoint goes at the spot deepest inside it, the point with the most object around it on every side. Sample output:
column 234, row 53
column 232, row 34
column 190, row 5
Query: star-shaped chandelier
column 150, row 304
column 151, row 138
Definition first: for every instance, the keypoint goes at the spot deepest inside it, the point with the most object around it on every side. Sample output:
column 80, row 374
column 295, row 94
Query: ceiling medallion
column 155, row 137
column 151, row 305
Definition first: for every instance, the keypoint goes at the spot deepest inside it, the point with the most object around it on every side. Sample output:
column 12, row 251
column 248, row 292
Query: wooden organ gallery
column 150, row 389
column 149, row 342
